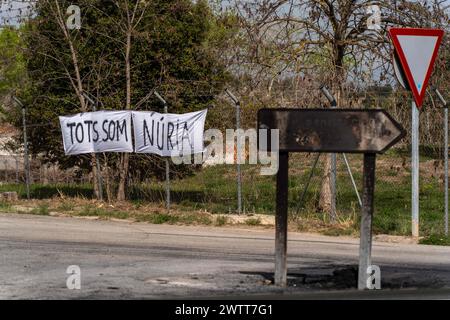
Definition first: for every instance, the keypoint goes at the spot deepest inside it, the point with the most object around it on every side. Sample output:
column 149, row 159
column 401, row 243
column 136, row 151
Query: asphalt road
column 121, row 260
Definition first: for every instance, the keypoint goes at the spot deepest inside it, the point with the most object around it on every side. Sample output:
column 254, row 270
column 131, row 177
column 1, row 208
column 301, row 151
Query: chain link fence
column 214, row 188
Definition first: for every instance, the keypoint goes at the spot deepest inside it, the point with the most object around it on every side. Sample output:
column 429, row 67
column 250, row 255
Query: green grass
column 214, row 189
column 253, row 221
column 90, row 211
column 159, row 218
column 5, row 206
column 165, row 218
column 221, row 220
column 66, row 206
column 47, row 191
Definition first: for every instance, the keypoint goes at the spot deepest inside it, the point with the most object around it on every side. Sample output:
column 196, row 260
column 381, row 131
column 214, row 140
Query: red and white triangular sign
column 417, row 50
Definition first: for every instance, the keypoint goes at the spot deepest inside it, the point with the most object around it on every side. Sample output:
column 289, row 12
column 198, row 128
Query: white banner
column 102, row 131
column 169, row 134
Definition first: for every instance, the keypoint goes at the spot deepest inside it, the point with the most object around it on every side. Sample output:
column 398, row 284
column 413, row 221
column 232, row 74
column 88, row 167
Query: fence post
column 166, row 160
column 17, row 169
column 25, row 144
column 6, row 170
column 444, row 102
column 96, row 159
column 238, row 126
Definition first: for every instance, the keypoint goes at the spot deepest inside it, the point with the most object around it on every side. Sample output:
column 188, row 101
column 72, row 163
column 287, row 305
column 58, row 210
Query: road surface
column 123, row 260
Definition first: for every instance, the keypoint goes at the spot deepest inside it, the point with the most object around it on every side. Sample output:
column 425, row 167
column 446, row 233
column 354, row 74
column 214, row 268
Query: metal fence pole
column 6, row 170
column 239, row 174
column 167, row 175
column 238, row 126
column 166, row 160
column 17, row 169
column 96, row 159
column 25, row 147
column 351, row 178
column 333, row 192
column 415, row 170
column 444, row 102
column 311, row 174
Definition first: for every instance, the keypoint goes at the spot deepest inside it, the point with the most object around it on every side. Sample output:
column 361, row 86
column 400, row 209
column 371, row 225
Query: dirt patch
column 263, row 219
column 394, row 239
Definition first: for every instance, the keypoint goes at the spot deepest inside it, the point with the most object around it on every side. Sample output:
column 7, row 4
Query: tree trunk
column 325, row 191
column 95, row 175
column 326, row 202
column 77, row 84
column 125, row 157
column 123, row 174
column 107, row 175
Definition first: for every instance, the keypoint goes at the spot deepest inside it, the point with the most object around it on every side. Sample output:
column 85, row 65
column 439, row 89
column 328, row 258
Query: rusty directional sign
column 332, row 130
column 367, row 131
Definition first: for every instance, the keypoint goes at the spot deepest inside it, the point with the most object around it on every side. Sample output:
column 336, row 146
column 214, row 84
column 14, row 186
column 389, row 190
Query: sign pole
column 99, row 169
column 281, row 221
column 415, row 170
column 365, row 246
column 416, row 50
column 167, row 174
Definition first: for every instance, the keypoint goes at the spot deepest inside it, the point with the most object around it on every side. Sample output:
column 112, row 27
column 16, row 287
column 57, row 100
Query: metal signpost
column 328, row 131
column 415, row 53
column 415, row 164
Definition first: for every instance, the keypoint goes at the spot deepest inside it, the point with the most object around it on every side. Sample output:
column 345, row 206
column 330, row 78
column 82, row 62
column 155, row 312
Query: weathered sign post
column 328, row 131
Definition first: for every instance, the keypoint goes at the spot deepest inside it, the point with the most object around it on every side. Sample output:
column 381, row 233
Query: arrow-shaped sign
column 417, row 51
column 332, row 131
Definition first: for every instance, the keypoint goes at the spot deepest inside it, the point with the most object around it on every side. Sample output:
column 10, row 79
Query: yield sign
column 417, row 50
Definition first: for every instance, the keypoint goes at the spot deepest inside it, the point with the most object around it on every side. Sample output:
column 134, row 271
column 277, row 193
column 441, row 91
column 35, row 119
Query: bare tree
column 324, row 42
column 131, row 17
column 71, row 72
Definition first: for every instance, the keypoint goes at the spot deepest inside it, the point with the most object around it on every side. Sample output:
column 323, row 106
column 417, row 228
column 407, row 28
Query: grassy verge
column 437, row 240
column 213, row 191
